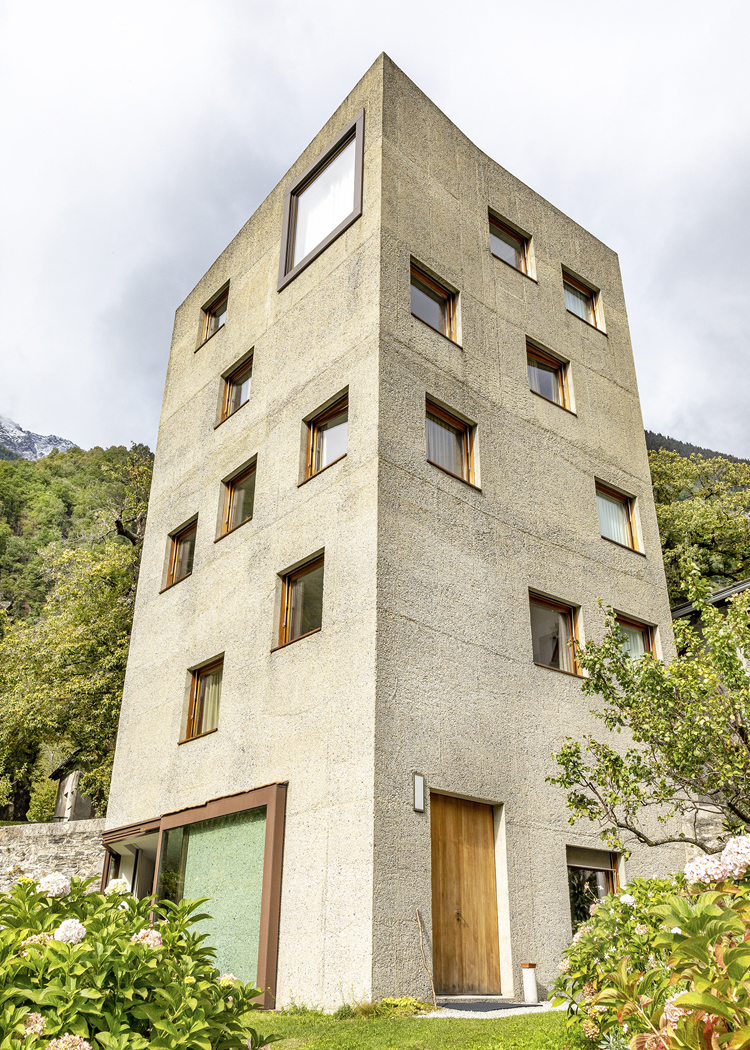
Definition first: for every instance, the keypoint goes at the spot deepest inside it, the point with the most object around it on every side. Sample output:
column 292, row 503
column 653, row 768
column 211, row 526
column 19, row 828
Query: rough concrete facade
column 424, row 662
column 73, row 848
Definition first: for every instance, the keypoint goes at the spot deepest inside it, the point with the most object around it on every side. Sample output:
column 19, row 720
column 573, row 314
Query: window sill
column 584, row 321
column 450, row 474
column 234, row 529
column 197, row 736
column 174, row 584
column 208, row 340
column 512, row 267
column 438, row 332
column 322, row 470
column 299, row 638
column 559, row 670
column 563, row 407
column 624, row 546
column 231, row 414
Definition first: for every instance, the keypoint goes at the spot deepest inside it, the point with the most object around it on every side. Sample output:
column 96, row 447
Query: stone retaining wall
column 71, row 847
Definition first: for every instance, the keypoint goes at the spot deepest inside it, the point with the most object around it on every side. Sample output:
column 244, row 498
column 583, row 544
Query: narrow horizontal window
column 547, row 376
column 181, row 554
column 237, row 389
column 327, row 437
column 579, row 299
column 433, row 304
column 323, row 201
column 238, row 500
column 637, row 638
column 215, row 316
column 615, row 516
column 205, row 694
column 508, row 245
column 302, row 602
column 553, row 628
column 449, row 443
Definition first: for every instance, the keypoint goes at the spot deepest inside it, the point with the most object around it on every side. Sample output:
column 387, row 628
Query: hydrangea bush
column 84, row 970
column 692, row 990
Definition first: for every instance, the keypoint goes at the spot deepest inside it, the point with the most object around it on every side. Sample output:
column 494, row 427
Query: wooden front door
column 466, row 953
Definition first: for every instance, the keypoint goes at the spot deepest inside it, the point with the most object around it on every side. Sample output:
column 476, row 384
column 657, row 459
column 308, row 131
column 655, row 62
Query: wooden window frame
column 229, row 383
column 468, row 450
column 445, row 293
column 354, row 131
column 561, row 367
column 211, row 310
column 524, row 242
column 196, row 676
column 311, row 469
column 273, row 798
column 628, row 501
column 572, row 614
column 230, row 486
column 593, row 300
column 638, row 625
column 177, row 538
column 286, row 590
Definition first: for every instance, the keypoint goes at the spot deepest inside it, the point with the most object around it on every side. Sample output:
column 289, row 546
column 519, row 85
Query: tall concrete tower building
column 400, row 460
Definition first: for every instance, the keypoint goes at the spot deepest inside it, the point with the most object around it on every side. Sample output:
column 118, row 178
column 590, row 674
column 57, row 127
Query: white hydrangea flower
column 148, row 937
column 34, row 1024
column 641, row 929
column 735, row 857
column 705, row 869
column 627, row 898
column 69, row 1042
column 55, row 885
column 676, row 929
column 117, row 886
column 70, row 931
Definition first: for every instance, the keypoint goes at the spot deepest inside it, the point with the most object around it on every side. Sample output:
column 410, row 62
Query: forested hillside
column 71, row 528
column 655, row 442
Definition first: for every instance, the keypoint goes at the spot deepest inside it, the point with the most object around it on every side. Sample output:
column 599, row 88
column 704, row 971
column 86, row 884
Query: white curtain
column 210, row 695
column 325, row 203
column 613, row 519
column 633, row 640
column 577, row 302
column 444, row 446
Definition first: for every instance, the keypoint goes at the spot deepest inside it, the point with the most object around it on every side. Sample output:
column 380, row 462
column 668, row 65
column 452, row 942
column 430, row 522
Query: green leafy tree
column 688, row 730
column 702, row 507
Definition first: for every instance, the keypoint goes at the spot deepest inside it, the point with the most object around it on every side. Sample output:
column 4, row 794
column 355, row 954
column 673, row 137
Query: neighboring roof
column 716, row 598
column 68, row 766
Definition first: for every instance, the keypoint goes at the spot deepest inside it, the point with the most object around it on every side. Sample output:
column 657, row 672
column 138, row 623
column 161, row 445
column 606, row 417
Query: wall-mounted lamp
column 418, row 793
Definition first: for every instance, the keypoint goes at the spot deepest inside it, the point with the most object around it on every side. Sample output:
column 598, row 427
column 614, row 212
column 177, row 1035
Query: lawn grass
column 316, row 1031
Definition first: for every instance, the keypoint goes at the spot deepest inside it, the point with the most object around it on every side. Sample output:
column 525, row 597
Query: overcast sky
column 138, row 138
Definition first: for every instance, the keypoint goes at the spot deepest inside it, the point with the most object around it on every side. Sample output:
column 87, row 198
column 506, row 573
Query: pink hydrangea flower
column 673, row 1013
column 705, row 869
column 565, row 966
column 37, row 938
column 34, row 1024
column 735, row 857
column 70, row 931
column 641, row 929
column 55, row 885
column 69, row 1042
column 226, row 980
column 148, row 937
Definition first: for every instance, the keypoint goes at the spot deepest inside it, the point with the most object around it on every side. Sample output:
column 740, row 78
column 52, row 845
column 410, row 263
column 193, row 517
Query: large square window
column 637, row 638
column 508, row 245
column 433, row 304
column 239, row 498
column 205, row 694
column 237, row 389
column 326, row 437
column 615, row 516
column 181, row 554
column 449, row 443
column 580, row 300
column 553, row 629
column 323, row 202
column 547, row 376
column 301, row 602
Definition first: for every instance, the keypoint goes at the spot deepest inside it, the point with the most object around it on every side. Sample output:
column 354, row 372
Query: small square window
column 637, row 638
column 323, row 202
column 592, row 874
column 302, row 602
column 205, row 693
column 215, row 315
column 238, row 500
column 449, row 443
column 508, row 245
column 615, row 517
column 553, row 628
column 547, row 376
column 237, row 389
column 327, row 436
column 433, row 304
column 181, row 554
column 580, row 300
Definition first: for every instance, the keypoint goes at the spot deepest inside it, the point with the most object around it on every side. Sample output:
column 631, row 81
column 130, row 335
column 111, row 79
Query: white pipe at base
column 530, row 994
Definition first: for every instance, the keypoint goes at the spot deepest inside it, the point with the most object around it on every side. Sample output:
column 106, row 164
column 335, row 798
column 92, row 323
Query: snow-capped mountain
column 28, row 445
